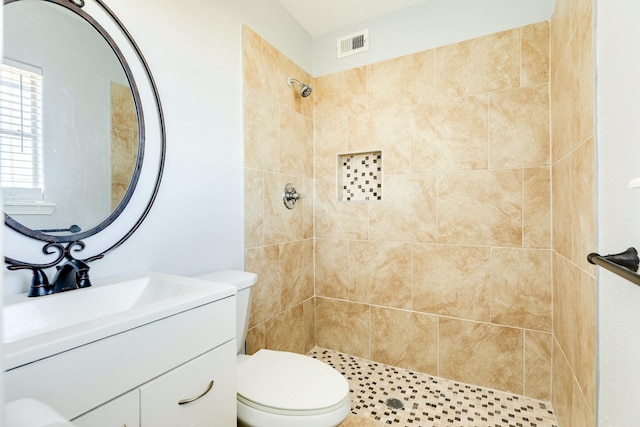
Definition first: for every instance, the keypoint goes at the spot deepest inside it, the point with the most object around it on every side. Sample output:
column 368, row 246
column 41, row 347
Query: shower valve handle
column 297, row 196
column 291, row 196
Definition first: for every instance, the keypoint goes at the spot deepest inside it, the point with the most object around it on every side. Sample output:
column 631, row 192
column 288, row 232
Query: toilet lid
column 289, row 381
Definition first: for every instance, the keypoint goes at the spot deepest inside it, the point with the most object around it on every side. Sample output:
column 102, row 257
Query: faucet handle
column 81, row 272
column 82, row 279
column 39, row 284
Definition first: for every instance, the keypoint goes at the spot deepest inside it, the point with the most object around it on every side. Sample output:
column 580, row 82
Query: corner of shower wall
column 278, row 129
column 574, row 396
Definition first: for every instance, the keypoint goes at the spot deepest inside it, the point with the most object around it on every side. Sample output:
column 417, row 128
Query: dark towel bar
column 624, row 264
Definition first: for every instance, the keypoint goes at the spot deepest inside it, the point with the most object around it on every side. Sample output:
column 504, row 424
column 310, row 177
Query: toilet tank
column 243, row 281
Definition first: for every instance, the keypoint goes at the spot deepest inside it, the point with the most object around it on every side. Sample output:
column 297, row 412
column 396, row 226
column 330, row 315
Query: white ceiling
column 320, row 17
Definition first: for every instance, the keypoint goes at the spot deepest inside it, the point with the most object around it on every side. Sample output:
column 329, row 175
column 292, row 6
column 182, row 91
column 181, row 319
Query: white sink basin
column 39, row 327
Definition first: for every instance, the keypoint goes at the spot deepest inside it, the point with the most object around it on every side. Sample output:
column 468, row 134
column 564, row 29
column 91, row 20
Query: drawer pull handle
column 193, row 399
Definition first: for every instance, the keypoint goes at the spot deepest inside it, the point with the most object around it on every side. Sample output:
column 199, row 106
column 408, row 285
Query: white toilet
column 277, row 388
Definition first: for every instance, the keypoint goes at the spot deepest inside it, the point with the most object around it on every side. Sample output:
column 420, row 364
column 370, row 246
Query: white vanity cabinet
column 123, row 411
column 201, row 392
column 137, row 377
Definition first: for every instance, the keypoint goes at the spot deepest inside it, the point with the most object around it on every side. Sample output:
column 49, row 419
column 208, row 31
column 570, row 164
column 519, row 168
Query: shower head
column 305, row 89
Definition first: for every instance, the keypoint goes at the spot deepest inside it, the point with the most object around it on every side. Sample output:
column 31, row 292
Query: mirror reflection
column 69, row 128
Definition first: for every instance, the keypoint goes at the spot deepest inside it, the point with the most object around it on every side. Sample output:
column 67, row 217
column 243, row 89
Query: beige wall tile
column 278, row 150
column 285, row 332
column 308, row 104
column 567, row 306
column 537, row 365
column 124, row 152
column 343, row 326
column 296, row 272
column 586, row 370
column 581, row 415
column 405, row 338
column 535, row 53
column 393, row 83
column 407, row 211
column 479, row 65
column 280, row 224
column 386, row 130
column 277, row 68
column 584, row 10
column 519, row 127
column 330, row 140
column 123, row 108
column 341, row 94
column 253, row 208
column 117, row 193
column 587, row 77
column 562, row 208
column 480, row 208
column 562, row 388
column 338, row 220
column 450, row 135
column 562, row 99
column 562, row 26
column 573, row 183
column 572, row 96
column 583, row 202
column 265, row 294
column 354, row 421
column 521, row 288
column 536, row 206
column 255, row 339
column 296, row 144
column 332, row 268
column 480, row 353
column 380, row 273
column 261, row 132
column 452, row 281
column 309, row 319
column 252, row 64
column 305, row 205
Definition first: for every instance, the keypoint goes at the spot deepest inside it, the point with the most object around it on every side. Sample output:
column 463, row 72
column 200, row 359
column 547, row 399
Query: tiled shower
column 454, row 271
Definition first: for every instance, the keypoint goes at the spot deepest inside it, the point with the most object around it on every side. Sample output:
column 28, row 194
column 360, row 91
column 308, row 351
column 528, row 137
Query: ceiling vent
column 353, row 43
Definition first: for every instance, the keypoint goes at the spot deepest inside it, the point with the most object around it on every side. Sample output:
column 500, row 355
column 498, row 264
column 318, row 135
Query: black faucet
column 73, row 274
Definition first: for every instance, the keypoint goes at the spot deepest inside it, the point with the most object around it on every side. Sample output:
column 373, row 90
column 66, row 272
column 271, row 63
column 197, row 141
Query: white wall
column 618, row 140
column 194, row 50
column 428, row 25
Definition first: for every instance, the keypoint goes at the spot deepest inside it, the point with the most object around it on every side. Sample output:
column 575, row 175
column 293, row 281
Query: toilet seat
column 290, row 384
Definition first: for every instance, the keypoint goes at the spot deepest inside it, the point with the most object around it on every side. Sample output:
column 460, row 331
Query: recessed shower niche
column 360, row 176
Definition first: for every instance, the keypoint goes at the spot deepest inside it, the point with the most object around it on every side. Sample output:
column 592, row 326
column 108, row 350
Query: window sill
column 28, row 208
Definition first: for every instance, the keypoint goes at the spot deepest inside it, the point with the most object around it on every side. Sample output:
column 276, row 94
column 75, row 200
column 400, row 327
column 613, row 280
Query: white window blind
column 21, row 131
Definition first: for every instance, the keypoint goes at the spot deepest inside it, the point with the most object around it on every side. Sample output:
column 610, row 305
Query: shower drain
column 394, row 403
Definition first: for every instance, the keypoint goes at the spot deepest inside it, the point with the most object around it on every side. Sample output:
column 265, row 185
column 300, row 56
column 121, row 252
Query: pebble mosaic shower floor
column 386, row 395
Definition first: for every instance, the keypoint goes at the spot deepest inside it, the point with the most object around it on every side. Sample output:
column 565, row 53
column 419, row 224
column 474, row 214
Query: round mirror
column 81, row 126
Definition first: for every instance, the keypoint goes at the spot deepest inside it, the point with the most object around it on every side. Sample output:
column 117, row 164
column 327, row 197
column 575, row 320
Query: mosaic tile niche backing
column 360, row 176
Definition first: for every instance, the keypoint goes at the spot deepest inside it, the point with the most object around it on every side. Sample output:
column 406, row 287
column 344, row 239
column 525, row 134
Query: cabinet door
column 188, row 395
column 123, row 411
column 225, row 416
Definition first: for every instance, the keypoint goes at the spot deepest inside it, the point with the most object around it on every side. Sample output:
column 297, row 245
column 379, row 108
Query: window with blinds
column 21, row 131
